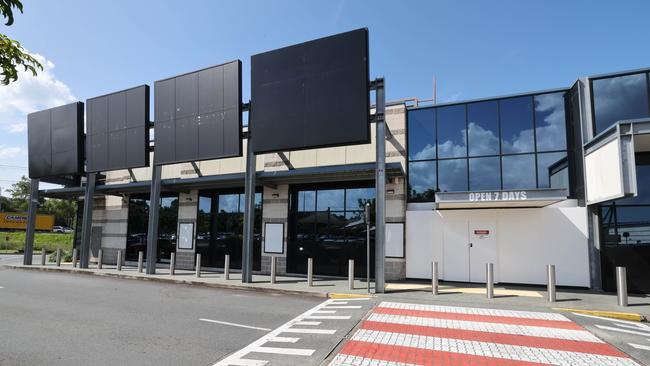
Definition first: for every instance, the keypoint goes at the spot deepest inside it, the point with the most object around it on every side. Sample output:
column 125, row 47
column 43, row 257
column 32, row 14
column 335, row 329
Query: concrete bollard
column 119, row 260
column 140, row 261
column 489, row 283
column 58, row 257
column 310, row 272
column 74, row 258
column 43, row 256
column 172, row 264
column 550, row 275
column 100, row 259
column 226, row 267
column 621, row 286
column 351, row 274
column 273, row 269
column 198, row 265
column 434, row 278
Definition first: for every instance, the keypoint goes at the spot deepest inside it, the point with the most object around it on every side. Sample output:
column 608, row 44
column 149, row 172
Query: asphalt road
column 67, row 319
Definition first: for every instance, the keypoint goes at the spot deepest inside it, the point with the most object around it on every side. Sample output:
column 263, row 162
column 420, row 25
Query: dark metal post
column 380, row 186
column 154, row 211
column 249, row 214
column 31, row 222
column 87, row 224
column 368, row 246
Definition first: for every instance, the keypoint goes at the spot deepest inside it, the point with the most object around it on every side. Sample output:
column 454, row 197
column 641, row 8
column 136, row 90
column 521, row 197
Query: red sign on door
column 481, row 232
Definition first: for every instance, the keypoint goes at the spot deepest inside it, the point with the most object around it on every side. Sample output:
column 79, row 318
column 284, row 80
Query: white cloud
column 7, row 152
column 30, row 94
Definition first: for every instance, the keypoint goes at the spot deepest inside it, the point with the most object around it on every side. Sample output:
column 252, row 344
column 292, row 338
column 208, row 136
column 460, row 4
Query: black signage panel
column 313, row 94
column 199, row 115
column 55, row 141
column 118, row 130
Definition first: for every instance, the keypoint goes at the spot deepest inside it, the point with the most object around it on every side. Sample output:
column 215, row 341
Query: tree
column 12, row 54
column 20, row 193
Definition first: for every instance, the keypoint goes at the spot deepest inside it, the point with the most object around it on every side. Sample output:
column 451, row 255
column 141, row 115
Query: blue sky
column 474, row 48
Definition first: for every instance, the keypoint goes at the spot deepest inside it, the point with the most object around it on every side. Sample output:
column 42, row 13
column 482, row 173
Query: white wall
column 604, row 173
column 527, row 240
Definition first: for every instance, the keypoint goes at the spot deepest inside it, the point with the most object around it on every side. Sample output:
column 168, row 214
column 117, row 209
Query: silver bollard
column 489, row 283
column 198, row 265
column 351, row 274
column 310, row 272
column 140, row 261
column 74, row 258
column 119, row 260
column 172, row 264
column 100, row 259
column 43, row 256
column 621, row 285
column 434, row 278
column 272, row 269
column 58, row 257
column 550, row 275
column 226, row 267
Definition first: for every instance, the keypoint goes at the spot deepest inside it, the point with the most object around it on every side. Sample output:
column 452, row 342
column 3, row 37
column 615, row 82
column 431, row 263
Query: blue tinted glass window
column 551, row 172
column 619, row 98
column 516, row 116
column 550, row 122
column 422, row 180
column 452, row 138
column 483, row 128
column 356, row 198
column 331, row 199
column 519, row 171
column 229, row 203
column 452, row 175
column 306, row 201
column 484, row 174
column 422, row 134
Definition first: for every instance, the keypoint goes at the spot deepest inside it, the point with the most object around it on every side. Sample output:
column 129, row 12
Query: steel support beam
column 380, row 186
column 249, row 215
column 154, row 211
column 31, row 222
column 87, row 221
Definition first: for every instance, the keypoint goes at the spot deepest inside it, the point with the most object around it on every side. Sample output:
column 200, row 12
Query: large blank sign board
column 55, row 141
column 314, row 94
column 198, row 115
column 118, row 130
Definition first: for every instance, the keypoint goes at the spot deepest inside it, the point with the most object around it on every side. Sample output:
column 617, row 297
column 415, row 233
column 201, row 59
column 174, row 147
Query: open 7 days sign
column 497, row 196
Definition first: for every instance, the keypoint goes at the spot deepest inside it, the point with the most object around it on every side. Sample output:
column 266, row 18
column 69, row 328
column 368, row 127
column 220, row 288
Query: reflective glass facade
column 138, row 225
column 326, row 223
column 508, row 143
column 619, row 98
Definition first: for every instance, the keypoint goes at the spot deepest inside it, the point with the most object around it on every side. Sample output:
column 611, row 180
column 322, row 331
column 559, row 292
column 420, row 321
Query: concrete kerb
column 635, row 317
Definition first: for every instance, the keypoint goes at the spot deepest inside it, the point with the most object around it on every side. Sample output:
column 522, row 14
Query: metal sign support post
column 249, row 215
column 154, row 213
column 87, row 223
column 380, row 185
column 367, row 215
column 31, row 222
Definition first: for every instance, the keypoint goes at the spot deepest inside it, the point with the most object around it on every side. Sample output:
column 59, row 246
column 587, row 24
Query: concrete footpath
column 520, row 297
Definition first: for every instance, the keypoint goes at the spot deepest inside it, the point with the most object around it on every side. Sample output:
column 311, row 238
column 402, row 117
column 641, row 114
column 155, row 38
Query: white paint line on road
column 325, row 312
column 284, row 339
column 247, row 362
column 234, row 324
column 640, row 346
column 623, row 330
column 341, row 317
column 306, row 322
column 309, row 331
column 639, row 326
column 284, row 351
column 1, row 287
column 344, row 307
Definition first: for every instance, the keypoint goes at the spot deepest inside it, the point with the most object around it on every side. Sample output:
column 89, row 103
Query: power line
column 13, row 166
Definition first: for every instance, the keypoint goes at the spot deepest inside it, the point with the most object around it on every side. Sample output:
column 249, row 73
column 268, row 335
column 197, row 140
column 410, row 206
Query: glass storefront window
column 422, row 134
column 550, row 122
column 452, row 133
column 138, row 225
column 484, row 174
column 453, row 175
column 356, row 198
column 551, row 172
column 516, row 117
column 483, row 128
column 330, row 200
column 619, row 98
column 422, row 180
column 307, row 201
column 519, row 171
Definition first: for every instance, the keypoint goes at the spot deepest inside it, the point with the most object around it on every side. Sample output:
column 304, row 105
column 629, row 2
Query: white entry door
column 456, row 251
column 482, row 247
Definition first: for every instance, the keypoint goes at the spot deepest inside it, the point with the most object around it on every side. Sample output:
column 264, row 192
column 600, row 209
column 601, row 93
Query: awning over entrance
column 335, row 173
column 500, row 199
column 610, row 166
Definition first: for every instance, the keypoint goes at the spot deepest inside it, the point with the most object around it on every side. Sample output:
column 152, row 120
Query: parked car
column 61, row 229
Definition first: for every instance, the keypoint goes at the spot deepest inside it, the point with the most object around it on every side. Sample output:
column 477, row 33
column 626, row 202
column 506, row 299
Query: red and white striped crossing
column 415, row 334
